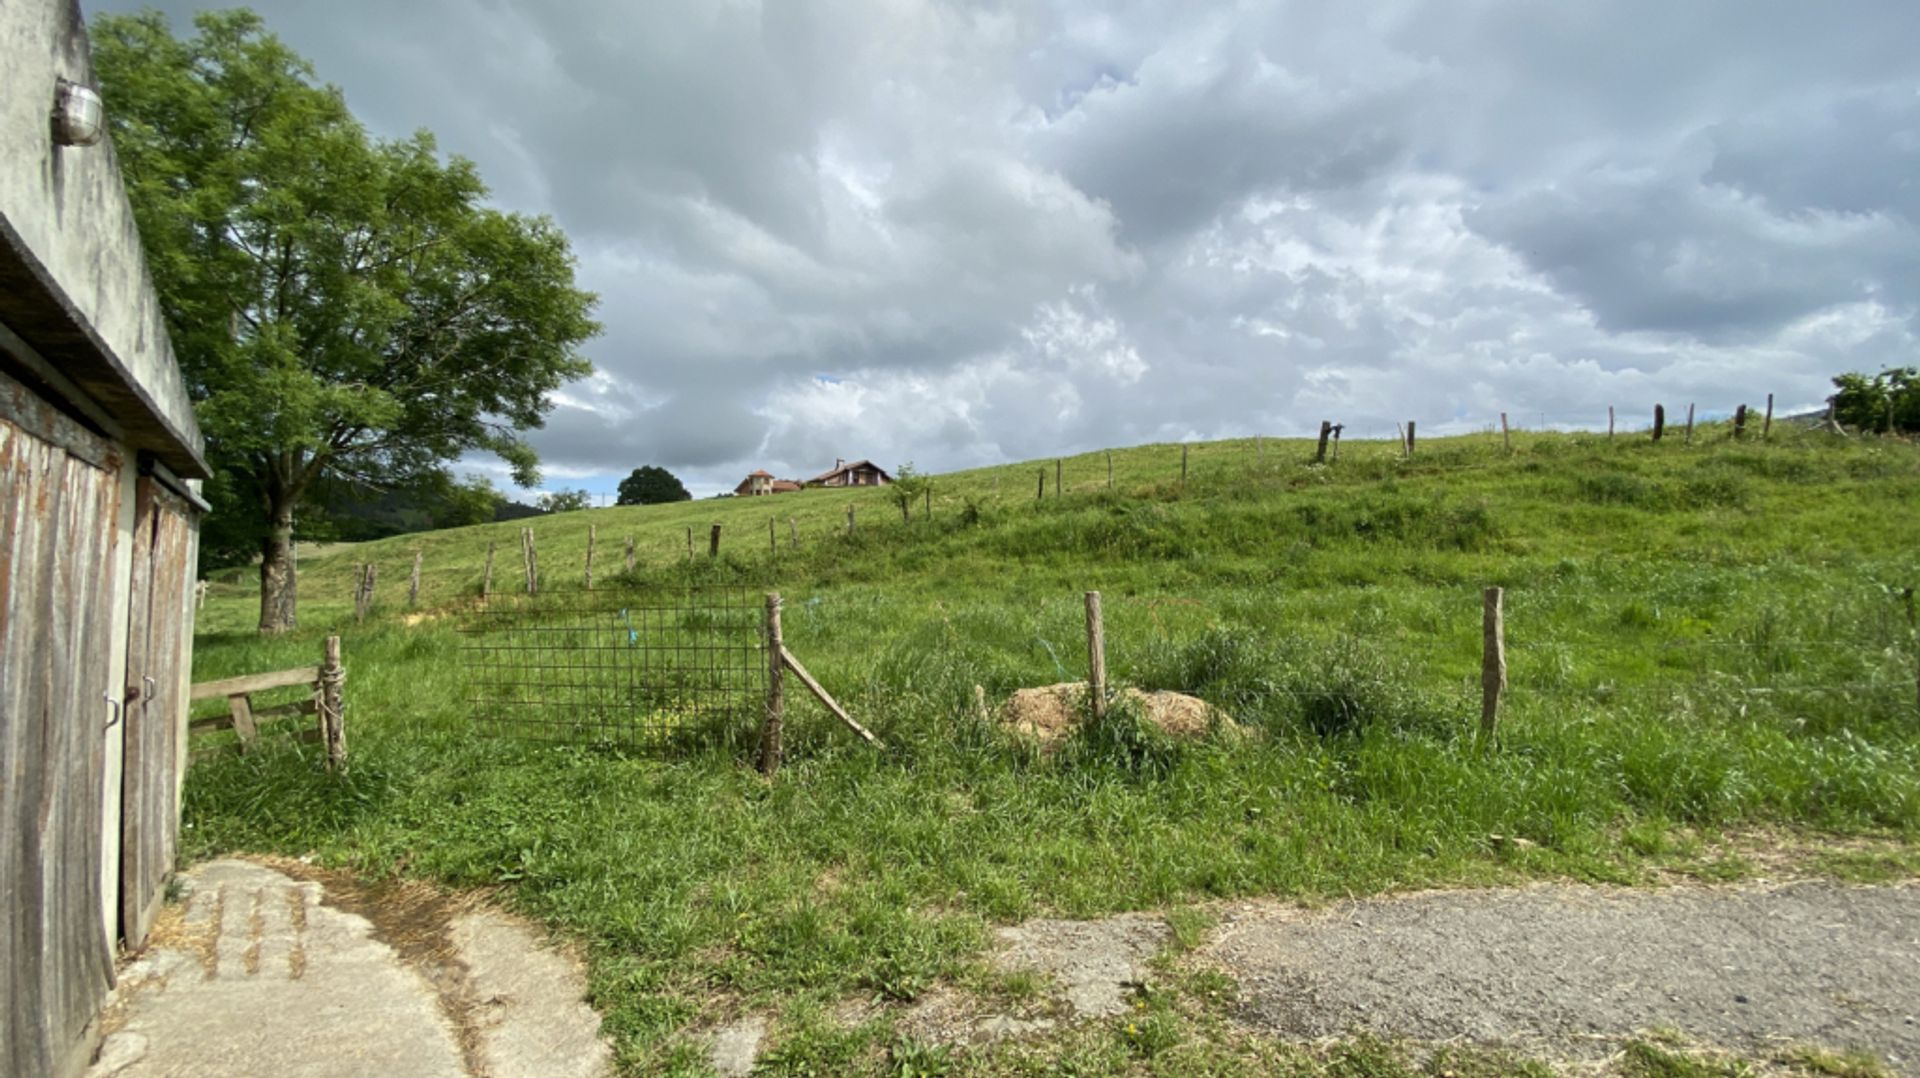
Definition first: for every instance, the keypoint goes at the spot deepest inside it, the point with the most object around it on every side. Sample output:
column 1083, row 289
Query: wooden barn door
column 157, row 627
column 59, row 502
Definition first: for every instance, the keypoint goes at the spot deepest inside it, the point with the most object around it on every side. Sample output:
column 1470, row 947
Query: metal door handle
column 118, row 710
column 146, row 680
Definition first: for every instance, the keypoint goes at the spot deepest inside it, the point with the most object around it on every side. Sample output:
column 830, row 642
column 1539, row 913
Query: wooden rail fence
column 328, row 680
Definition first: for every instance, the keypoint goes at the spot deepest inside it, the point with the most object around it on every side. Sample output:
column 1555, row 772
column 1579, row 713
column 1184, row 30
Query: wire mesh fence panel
column 639, row 669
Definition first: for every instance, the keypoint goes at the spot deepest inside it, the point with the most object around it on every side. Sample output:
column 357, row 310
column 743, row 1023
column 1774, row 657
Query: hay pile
column 1049, row 713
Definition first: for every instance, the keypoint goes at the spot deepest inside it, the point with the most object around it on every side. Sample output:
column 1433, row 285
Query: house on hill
column 100, row 463
column 763, row 482
column 860, row 473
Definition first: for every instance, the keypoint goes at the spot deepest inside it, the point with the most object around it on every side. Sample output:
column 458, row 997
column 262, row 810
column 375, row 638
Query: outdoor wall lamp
column 78, row 114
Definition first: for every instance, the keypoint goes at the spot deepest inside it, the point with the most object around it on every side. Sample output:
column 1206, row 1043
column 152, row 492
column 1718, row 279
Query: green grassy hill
column 1707, row 646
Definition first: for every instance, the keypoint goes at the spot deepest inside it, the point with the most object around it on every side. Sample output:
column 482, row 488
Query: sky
column 960, row 233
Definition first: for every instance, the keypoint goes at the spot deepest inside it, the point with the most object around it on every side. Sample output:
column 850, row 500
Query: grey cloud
column 1015, row 230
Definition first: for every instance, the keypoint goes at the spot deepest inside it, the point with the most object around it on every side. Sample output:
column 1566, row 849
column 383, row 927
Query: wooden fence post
column 1659, row 421
column 1338, row 430
column 413, row 583
column 1040, row 492
column 793, row 533
column 1689, row 424
column 1739, row 421
column 486, row 575
column 1506, row 437
column 1766, row 424
column 1409, row 437
column 363, row 593
column 1059, row 478
column 333, row 722
column 770, row 730
column 926, row 502
column 588, row 577
column 1913, row 632
column 713, row 542
column 1096, row 657
column 1609, row 422
column 532, row 557
column 1493, row 663
column 689, row 543
column 1183, row 464
column 629, row 553
column 1109, row 469
column 1320, row 453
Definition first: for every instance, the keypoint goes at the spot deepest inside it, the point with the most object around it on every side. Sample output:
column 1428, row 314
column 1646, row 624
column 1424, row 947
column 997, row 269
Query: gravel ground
column 1573, row 969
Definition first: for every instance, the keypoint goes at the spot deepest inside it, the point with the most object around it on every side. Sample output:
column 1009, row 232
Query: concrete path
column 1564, row 967
column 263, row 973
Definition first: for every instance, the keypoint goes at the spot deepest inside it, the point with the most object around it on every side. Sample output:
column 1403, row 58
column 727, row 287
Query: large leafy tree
column 651, row 485
column 342, row 307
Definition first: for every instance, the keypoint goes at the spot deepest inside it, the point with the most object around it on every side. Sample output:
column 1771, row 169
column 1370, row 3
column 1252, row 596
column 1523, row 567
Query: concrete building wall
column 64, row 211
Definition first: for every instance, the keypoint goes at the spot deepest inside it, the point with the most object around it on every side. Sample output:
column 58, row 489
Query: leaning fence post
column 1096, row 657
column 1506, row 438
column 776, row 691
column 486, row 575
column 588, row 578
column 413, row 583
column 1320, row 453
column 1493, row 663
column 333, row 723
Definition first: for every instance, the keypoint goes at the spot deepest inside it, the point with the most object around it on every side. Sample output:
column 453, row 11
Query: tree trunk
column 277, row 584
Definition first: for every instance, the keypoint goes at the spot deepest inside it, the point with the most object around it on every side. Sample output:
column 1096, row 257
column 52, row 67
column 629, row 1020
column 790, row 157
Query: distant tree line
column 1884, row 403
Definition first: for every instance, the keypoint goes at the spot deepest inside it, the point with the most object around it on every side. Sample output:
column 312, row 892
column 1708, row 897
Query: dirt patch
column 1574, row 969
column 1050, row 713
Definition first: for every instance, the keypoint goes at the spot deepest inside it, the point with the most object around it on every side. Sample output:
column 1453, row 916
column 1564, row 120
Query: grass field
column 1706, row 643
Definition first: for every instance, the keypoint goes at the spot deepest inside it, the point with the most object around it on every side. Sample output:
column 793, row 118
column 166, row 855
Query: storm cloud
column 960, row 233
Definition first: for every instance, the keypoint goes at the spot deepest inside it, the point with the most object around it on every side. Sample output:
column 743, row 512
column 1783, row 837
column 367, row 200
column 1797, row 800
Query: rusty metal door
column 157, row 627
column 59, row 500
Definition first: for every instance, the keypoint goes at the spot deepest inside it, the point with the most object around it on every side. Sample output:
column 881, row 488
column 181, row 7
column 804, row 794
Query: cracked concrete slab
column 264, row 973
column 1094, row 963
